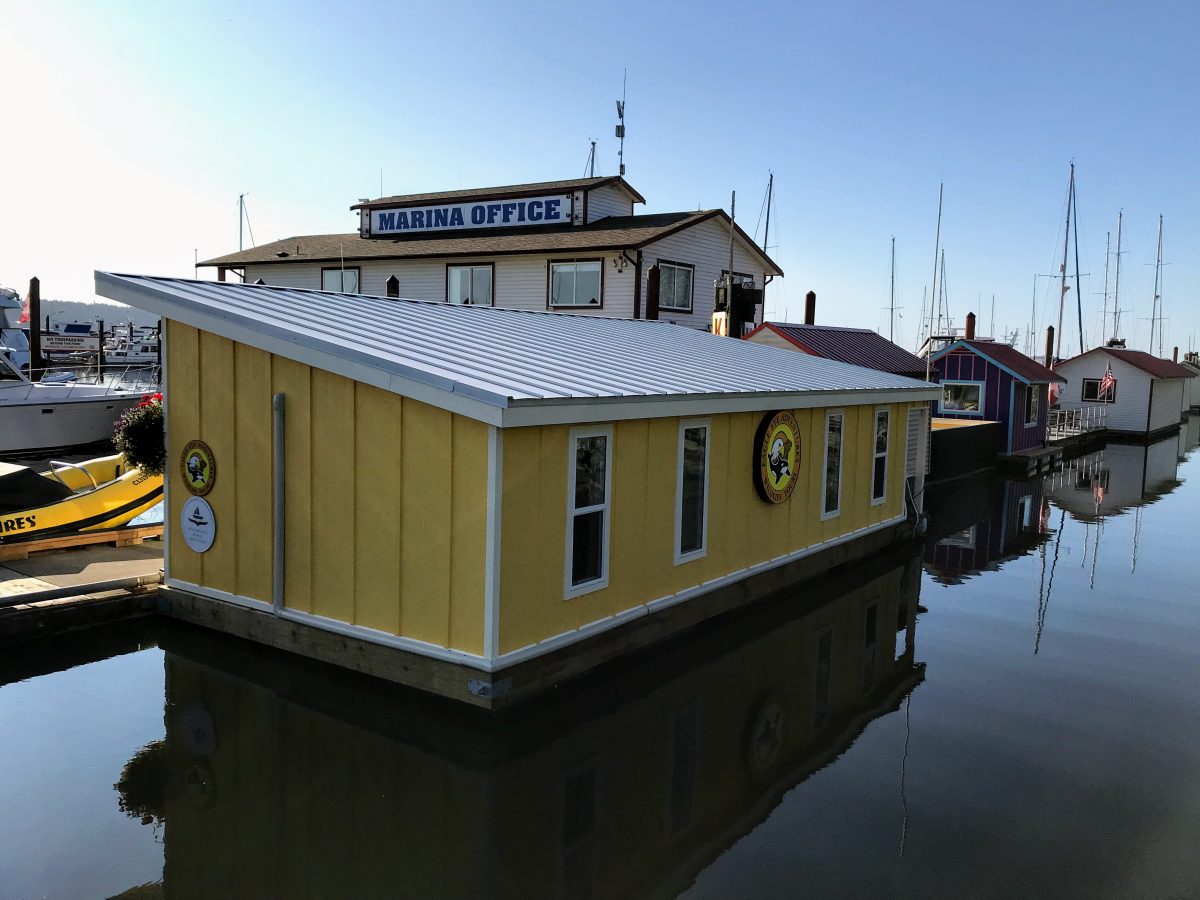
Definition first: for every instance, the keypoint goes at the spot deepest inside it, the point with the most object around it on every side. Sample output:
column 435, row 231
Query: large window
column 883, row 421
column 588, row 487
column 576, row 283
column 675, row 286
column 962, row 397
column 1031, row 404
column 833, row 464
column 1091, row 391
column 469, row 285
column 691, row 492
column 342, row 280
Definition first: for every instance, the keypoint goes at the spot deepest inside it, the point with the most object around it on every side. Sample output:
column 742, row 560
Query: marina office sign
column 553, row 209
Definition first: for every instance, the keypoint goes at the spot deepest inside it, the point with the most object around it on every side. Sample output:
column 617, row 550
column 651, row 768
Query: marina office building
column 484, row 502
column 564, row 246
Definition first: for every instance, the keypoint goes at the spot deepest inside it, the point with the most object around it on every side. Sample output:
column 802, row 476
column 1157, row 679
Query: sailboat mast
column 770, row 191
column 1117, row 282
column 937, row 243
column 1104, row 314
column 892, row 311
column 1062, row 288
column 1078, row 286
column 1155, row 313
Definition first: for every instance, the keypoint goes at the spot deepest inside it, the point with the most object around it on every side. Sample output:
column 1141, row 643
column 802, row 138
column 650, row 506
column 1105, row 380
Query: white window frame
column 875, row 454
column 978, row 413
column 1033, row 394
column 691, row 270
column 570, row 590
column 834, row 513
column 575, row 263
column 342, row 270
column 472, row 267
column 684, row 425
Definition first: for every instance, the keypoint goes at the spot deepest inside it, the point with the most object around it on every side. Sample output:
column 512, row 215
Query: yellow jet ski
column 89, row 496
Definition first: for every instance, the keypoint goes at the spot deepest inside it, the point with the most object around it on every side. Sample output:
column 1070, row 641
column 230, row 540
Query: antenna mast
column 241, row 216
column 621, row 124
column 892, row 309
column 592, row 161
column 770, row 191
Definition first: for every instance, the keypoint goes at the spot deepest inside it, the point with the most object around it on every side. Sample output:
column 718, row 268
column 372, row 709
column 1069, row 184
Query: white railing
column 1065, row 423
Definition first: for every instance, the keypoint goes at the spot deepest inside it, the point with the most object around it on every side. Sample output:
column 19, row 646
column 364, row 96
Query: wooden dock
column 1034, row 461
column 117, row 537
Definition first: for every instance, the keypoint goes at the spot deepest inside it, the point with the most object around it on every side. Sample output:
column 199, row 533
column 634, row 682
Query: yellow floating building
column 509, row 498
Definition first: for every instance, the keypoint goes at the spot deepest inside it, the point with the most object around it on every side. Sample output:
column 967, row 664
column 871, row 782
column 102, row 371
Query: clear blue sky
column 134, row 126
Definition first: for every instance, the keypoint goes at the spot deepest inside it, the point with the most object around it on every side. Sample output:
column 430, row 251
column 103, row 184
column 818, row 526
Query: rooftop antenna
column 591, row 163
column 241, row 216
column 621, row 124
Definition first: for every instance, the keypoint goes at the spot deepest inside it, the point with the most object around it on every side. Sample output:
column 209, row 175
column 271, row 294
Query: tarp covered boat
column 89, row 496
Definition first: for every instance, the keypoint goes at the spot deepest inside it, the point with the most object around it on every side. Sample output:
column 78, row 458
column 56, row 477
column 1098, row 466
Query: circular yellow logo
column 198, row 467
column 777, row 446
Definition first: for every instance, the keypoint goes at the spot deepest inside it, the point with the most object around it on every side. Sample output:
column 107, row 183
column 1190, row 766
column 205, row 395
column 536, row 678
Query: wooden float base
column 523, row 681
column 1034, row 461
column 1144, row 437
column 119, row 537
column 51, row 618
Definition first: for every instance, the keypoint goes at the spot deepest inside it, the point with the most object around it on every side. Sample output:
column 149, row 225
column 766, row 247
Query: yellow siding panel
column 332, row 486
column 183, row 425
column 426, row 449
column 253, row 502
column 468, row 522
column 294, row 380
column 743, row 530
column 219, row 565
column 377, row 486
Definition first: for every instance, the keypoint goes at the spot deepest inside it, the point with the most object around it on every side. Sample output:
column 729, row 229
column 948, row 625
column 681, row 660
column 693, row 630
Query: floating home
column 482, row 502
column 1145, row 400
column 1191, row 391
column 985, row 382
column 573, row 246
column 857, row 346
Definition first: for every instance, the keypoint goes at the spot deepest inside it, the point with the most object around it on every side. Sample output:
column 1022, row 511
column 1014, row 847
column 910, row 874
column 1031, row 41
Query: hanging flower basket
column 139, row 435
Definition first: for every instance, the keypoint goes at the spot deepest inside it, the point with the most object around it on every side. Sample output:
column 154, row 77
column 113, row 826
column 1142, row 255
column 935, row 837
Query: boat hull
column 111, row 505
column 60, row 423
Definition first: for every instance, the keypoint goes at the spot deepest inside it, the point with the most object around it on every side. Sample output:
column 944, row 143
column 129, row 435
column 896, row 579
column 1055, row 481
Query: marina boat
column 90, row 496
column 41, row 416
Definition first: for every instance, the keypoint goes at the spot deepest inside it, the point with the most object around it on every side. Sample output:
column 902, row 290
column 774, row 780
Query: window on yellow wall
column 833, row 464
column 883, row 421
column 588, row 499
column 691, row 492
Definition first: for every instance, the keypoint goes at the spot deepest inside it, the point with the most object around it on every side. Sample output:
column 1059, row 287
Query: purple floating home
column 988, row 381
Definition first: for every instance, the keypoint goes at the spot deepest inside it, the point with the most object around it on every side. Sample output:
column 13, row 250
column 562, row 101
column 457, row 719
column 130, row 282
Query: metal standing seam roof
column 857, row 346
column 1027, row 370
column 489, row 362
column 1139, row 359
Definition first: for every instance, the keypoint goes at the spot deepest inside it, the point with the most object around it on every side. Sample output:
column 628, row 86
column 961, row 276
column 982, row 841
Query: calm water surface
column 1010, row 710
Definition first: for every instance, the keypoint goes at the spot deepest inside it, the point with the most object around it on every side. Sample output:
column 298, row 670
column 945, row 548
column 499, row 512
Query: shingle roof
column 609, row 233
column 512, row 367
column 1159, row 368
column 509, row 190
column 1024, row 368
column 857, row 346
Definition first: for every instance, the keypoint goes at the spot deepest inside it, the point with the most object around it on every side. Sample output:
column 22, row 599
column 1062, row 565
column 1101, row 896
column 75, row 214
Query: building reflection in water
column 281, row 777
column 979, row 524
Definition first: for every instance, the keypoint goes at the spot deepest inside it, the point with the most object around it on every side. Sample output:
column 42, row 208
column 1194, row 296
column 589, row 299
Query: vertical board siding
column 1003, row 398
column 743, row 530
column 386, row 496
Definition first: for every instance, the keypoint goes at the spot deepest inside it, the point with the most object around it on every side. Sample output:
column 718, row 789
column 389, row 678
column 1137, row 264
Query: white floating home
column 1145, row 399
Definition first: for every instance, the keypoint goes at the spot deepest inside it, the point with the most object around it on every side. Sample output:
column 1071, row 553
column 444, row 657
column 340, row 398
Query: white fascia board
column 521, row 413
column 439, row 392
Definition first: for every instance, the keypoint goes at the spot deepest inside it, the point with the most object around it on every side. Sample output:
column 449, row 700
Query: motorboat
column 40, row 416
column 98, row 494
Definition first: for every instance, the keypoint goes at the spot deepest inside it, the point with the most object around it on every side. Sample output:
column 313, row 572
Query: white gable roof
column 512, row 367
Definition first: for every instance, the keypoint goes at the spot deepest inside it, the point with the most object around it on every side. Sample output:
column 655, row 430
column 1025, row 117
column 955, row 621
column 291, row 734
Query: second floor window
column 342, row 280
column 674, row 287
column 575, row 283
column 469, row 285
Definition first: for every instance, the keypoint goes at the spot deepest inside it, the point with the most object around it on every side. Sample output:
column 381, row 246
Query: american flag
column 1107, row 383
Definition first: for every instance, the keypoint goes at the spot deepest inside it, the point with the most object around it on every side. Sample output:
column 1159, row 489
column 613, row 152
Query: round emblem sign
column 198, row 467
column 777, row 452
column 198, row 524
